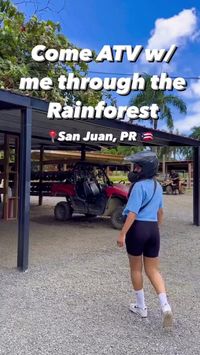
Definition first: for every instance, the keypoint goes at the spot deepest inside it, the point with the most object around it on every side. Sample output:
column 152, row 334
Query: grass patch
column 118, row 178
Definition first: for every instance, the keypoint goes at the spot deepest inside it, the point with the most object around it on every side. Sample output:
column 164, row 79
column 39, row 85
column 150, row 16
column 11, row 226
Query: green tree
column 18, row 36
column 150, row 96
column 121, row 150
column 187, row 152
column 195, row 133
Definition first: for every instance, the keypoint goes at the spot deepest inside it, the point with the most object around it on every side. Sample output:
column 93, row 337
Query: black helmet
column 148, row 162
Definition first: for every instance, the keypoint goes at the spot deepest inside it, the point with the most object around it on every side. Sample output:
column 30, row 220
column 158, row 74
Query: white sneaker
column 167, row 316
column 140, row 311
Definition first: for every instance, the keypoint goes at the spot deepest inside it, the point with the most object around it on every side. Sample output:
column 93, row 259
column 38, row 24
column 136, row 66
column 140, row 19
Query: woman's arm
column 129, row 221
column 160, row 215
column 134, row 204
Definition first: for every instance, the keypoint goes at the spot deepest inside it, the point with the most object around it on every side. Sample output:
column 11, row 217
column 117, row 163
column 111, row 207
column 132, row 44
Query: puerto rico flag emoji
column 147, row 136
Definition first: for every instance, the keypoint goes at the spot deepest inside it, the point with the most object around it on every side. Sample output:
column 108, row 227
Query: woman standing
column 144, row 211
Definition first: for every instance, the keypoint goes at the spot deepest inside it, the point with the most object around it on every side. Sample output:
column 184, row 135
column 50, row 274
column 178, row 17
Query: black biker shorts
column 143, row 238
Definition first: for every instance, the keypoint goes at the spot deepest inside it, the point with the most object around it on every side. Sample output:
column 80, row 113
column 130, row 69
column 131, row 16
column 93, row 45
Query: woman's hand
column 121, row 239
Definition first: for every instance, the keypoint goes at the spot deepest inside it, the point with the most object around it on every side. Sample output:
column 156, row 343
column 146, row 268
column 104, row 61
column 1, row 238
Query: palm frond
column 138, row 100
column 150, row 96
column 195, row 132
column 168, row 115
column 177, row 102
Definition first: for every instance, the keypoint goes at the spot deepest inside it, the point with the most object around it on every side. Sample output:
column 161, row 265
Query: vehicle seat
column 90, row 189
column 86, row 189
column 80, row 189
column 94, row 188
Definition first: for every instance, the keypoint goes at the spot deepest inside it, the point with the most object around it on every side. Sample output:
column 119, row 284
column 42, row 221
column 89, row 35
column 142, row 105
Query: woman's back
column 141, row 193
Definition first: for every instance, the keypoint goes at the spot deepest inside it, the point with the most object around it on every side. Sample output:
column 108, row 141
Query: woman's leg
column 135, row 263
column 151, row 267
column 137, row 281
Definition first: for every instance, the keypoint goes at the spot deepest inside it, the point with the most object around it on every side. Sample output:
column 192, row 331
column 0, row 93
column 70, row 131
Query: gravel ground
column 74, row 298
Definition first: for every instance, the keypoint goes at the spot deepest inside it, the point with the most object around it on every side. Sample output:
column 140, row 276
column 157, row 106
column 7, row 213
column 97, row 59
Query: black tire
column 117, row 219
column 169, row 190
column 90, row 215
column 182, row 190
column 62, row 211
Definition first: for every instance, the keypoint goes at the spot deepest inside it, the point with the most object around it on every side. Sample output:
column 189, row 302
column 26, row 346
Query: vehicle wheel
column 182, row 190
column 117, row 219
column 62, row 211
column 90, row 215
column 169, row 190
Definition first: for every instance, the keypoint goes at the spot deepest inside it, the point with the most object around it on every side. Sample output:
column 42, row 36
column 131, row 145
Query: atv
column 88, row 191
column 172, row 186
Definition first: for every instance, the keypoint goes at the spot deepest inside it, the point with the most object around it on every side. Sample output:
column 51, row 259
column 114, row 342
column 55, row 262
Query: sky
column 153, row 24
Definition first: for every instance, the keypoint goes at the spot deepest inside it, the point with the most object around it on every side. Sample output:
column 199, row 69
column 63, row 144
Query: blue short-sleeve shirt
column 141, row 193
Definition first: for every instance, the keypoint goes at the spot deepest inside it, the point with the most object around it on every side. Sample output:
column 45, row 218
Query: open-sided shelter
column 24, row 126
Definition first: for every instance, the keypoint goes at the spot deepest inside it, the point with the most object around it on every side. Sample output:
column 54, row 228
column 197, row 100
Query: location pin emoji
column 53, row 135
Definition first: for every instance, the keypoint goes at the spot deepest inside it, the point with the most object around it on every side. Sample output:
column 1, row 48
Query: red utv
column 89, row 191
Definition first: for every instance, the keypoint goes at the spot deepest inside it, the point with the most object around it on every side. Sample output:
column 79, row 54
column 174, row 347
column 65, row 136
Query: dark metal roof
column 10, row 112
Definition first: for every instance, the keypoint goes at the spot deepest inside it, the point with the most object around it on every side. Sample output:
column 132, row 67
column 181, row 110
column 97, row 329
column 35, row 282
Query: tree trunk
column 155, row 124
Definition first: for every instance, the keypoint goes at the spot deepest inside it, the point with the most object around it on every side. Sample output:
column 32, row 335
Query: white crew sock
column 140, row 298
column 164, row 302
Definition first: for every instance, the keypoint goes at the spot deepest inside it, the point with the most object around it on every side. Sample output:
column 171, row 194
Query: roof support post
column 41, row 172
column 24, row 191
column 82, row 152
column 196, row 186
